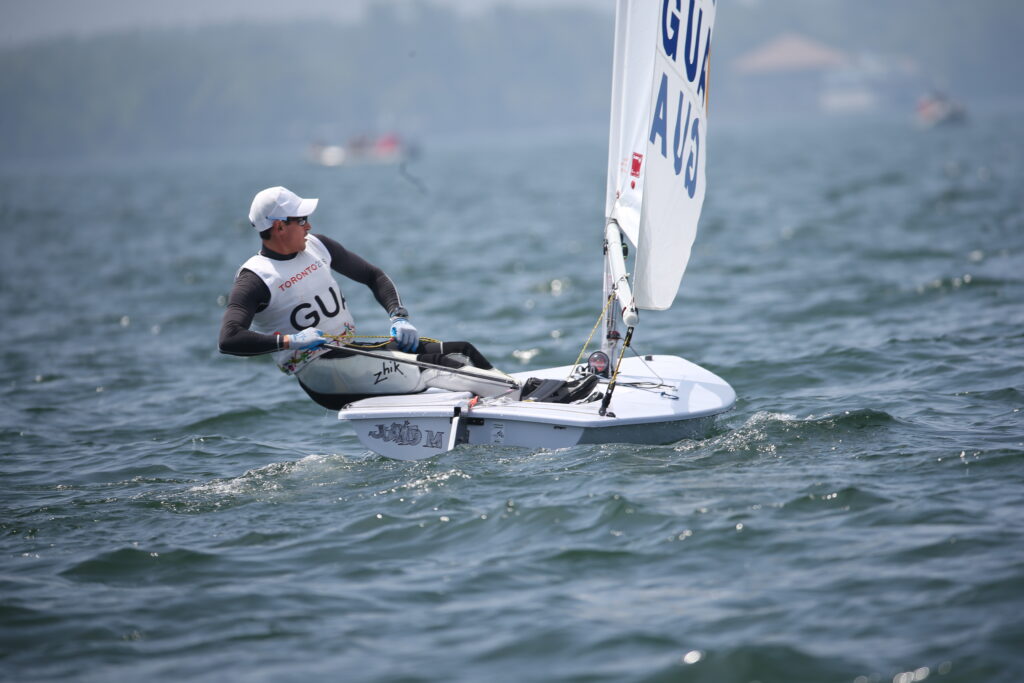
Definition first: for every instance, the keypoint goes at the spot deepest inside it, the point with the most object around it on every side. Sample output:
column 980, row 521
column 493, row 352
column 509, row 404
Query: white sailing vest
column 303, row 293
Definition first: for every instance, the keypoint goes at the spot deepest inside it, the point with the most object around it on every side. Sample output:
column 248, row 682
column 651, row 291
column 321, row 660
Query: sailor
column 285, row 301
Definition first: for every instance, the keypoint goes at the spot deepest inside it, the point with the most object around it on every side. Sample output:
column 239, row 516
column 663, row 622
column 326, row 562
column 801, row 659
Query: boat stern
column 424, row 426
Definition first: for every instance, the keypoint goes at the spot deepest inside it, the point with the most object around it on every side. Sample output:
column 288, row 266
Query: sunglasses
column 301, row 220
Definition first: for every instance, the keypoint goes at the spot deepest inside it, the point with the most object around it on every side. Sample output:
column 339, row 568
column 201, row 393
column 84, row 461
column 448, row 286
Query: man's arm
column 356, row 268
column 249, row 296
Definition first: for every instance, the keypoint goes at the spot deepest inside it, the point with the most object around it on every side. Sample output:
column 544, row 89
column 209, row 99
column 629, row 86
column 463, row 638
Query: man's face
column 293, row 234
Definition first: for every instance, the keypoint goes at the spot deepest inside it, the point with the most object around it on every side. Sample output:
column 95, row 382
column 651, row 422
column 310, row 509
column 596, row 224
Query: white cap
column 278, row 203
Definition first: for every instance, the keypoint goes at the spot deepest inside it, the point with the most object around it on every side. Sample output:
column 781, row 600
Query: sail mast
column 632, row 65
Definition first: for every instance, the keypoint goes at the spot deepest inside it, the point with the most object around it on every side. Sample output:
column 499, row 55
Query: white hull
column 658, row 399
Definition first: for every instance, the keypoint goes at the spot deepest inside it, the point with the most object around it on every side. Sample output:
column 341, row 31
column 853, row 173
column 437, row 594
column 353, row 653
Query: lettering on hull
column 406, row 434
column 497, row 432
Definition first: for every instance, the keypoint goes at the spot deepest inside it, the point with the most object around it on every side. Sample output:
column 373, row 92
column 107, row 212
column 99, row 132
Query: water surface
column 170, row 513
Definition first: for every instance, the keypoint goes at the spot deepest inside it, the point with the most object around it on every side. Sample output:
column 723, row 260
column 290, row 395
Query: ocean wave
column 275, row 477
column 764, row 433
column 845, row 499
column 137, row 566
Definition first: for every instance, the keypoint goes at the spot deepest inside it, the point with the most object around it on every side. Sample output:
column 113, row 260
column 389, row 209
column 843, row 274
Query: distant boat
column 386, row 149
column 936, row 109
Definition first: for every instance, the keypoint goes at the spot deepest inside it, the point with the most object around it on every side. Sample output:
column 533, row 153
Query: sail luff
column 633, row 63
column 617, row 104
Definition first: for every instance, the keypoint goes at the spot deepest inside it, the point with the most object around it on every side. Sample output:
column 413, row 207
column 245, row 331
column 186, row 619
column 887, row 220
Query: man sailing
column 285, row 301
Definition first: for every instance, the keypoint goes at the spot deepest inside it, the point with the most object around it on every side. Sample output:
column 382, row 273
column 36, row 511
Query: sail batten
column 656, row 179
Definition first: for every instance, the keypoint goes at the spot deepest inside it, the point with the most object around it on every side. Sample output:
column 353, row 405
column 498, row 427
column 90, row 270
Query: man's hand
column 405, row 334
column 309, row 338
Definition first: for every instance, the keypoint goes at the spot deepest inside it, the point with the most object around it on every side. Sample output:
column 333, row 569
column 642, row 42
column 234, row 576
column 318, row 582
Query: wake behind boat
column 656, row 186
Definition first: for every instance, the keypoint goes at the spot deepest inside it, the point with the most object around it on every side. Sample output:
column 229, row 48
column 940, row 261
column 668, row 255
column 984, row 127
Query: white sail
column 657, row 141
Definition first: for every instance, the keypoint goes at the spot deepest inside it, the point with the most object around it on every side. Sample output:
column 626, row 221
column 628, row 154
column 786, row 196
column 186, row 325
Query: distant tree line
column 419, row 68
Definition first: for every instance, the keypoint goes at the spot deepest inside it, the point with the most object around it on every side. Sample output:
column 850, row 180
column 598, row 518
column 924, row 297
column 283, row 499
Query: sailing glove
column 405, row 334
column 309, row 338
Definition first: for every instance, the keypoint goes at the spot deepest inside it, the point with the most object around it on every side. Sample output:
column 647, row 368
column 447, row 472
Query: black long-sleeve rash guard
column 250, row 295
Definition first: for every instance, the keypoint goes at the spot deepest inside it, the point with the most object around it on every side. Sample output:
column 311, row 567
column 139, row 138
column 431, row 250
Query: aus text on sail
column 687, row 102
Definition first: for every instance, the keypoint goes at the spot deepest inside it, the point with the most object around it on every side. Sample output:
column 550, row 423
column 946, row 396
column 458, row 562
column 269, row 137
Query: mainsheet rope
column 345, row 338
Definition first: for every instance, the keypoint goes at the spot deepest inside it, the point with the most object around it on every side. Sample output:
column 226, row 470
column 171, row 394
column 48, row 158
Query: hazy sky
column 28, row 20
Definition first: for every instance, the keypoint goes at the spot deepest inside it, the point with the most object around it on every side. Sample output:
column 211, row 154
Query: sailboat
column 655, row 191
